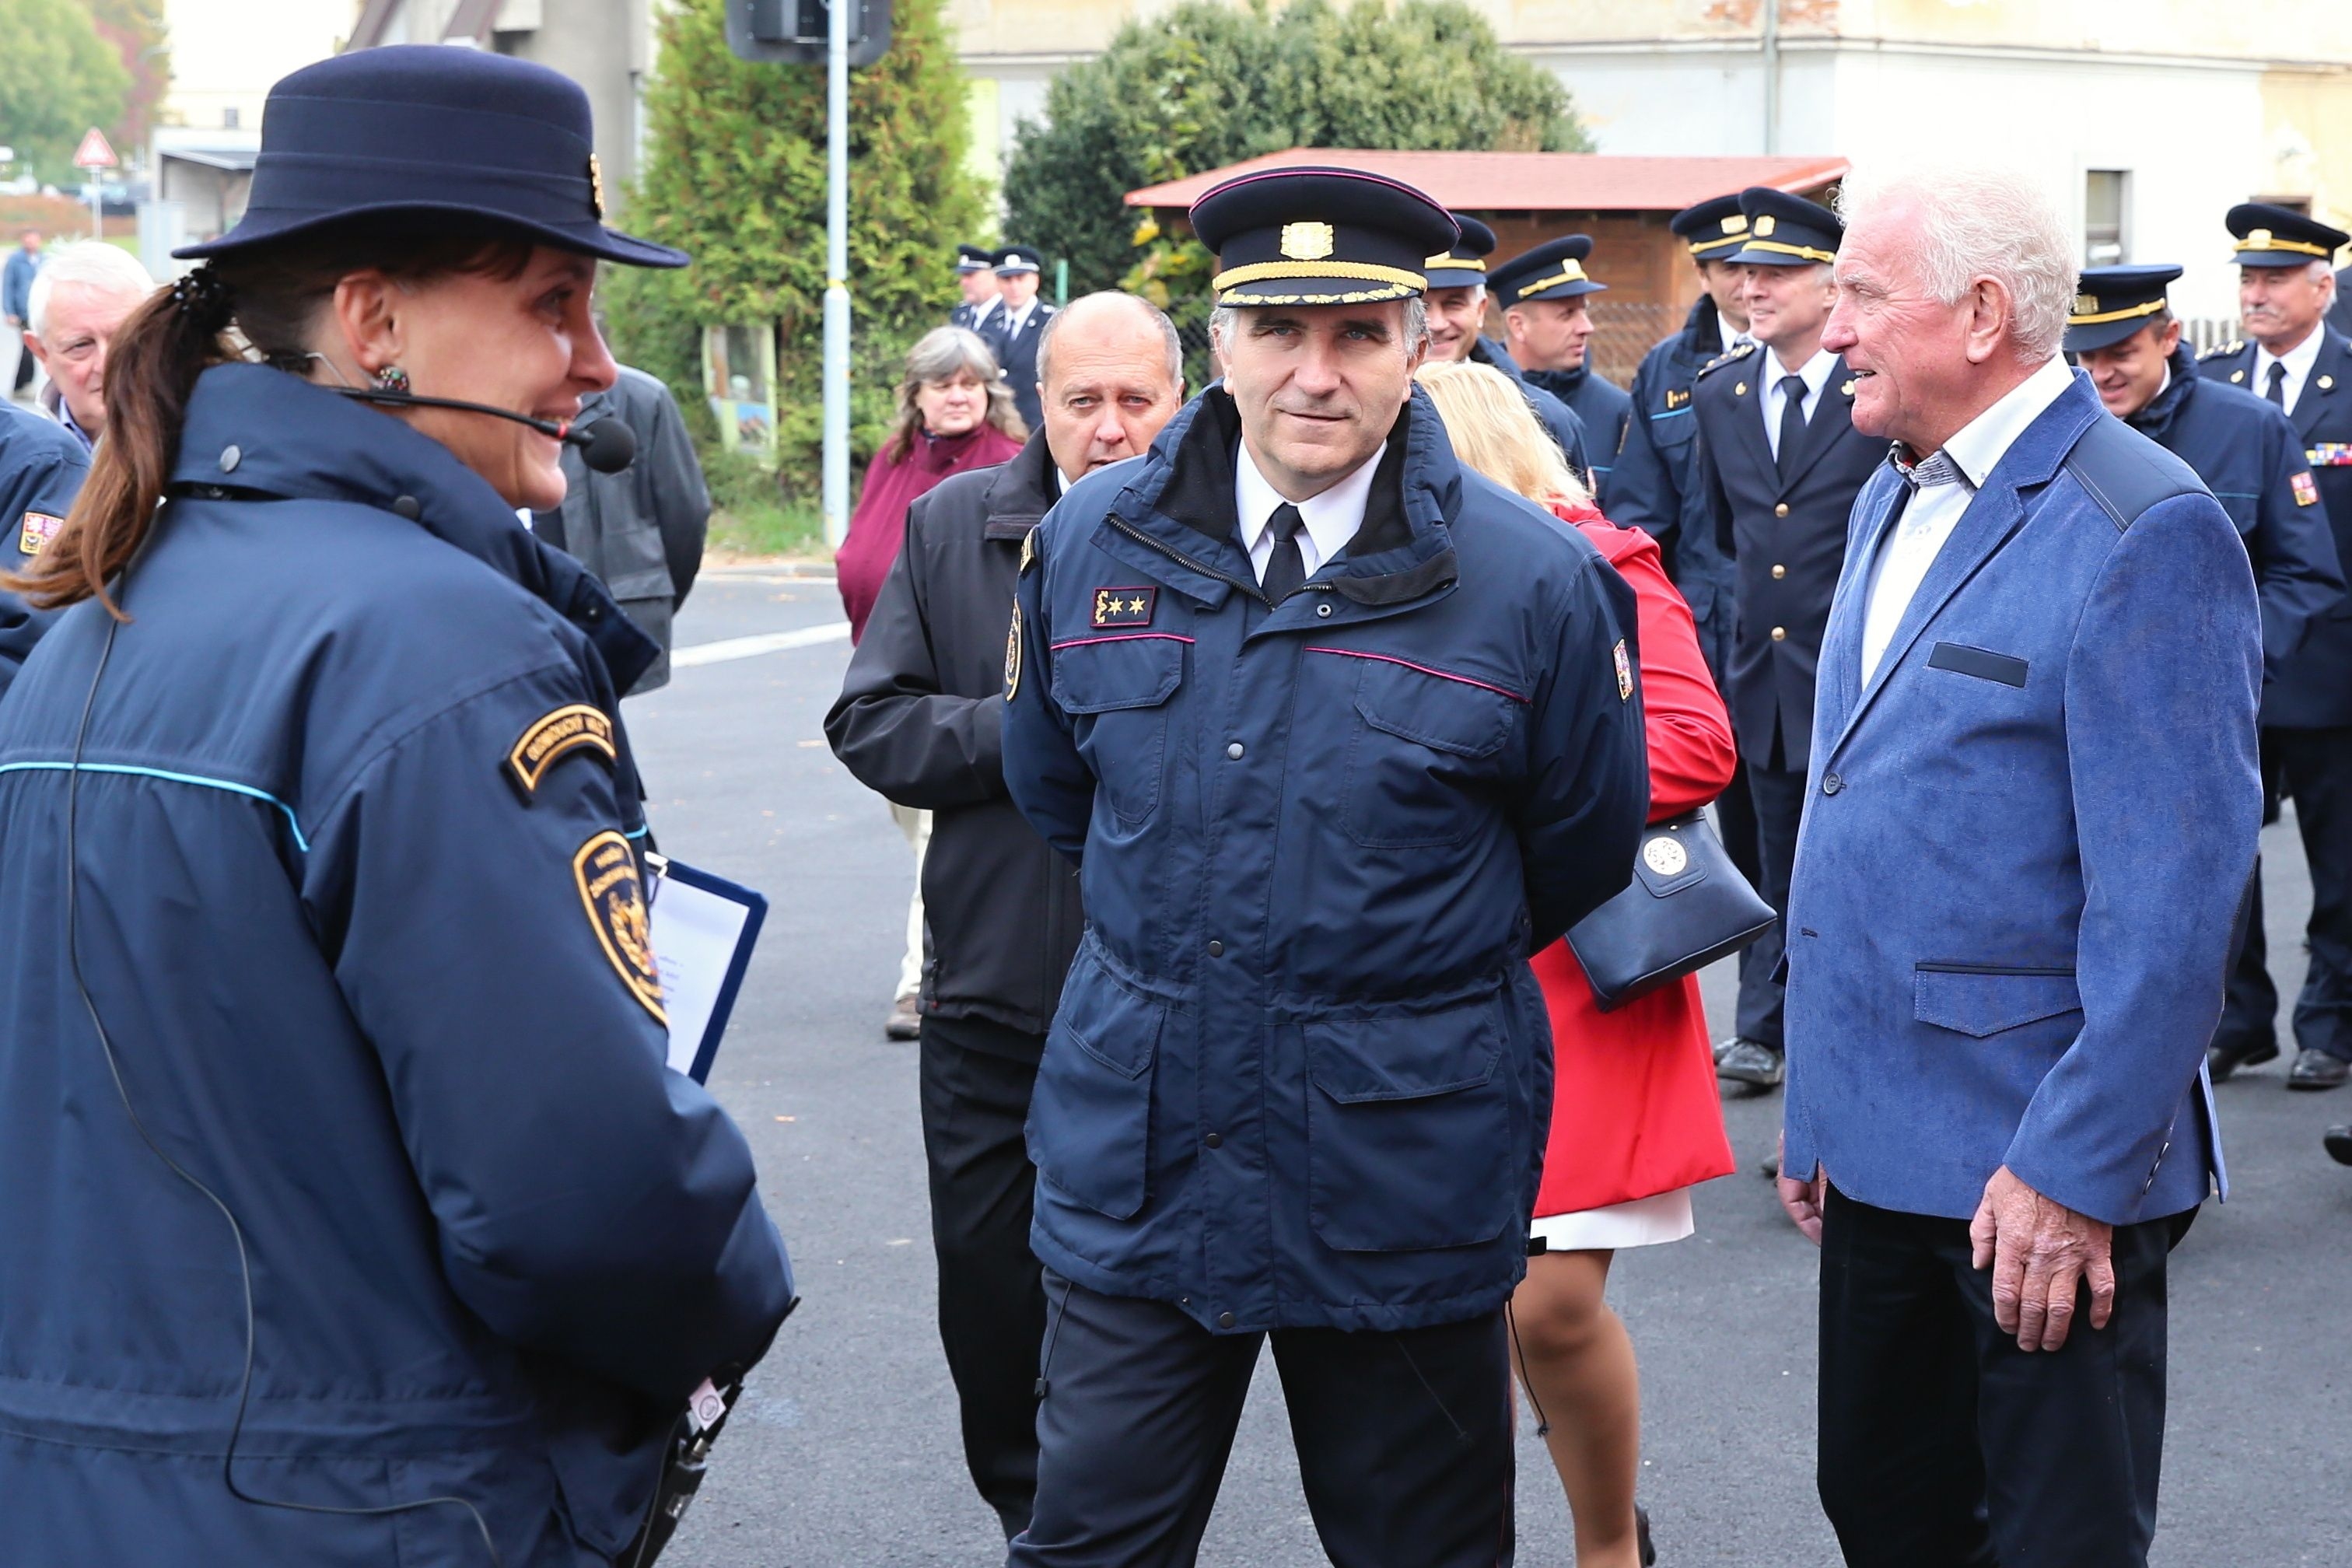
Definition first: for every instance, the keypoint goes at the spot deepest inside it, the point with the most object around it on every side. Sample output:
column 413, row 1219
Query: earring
column 391, row 378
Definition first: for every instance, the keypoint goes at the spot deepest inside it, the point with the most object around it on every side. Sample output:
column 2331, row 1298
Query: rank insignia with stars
column 1123, row 606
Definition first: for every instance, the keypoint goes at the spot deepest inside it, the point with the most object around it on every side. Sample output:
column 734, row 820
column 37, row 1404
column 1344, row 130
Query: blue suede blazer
column 2026, row 838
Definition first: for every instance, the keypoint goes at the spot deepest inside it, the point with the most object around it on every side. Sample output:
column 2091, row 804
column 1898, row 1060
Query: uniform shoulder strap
column 2125, row 473
column 1727, row 357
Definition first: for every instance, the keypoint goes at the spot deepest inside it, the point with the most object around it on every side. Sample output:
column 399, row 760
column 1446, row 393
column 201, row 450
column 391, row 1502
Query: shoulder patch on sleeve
column 1028, row 549
column 38, row 528
column 1012, row 656
column 574, row 727
column 611, row 891
column 1624, row 673
column 2306, row 489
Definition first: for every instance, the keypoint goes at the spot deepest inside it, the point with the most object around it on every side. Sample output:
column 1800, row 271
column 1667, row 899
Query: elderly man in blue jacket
column 1340, row 733
column 2032, row 813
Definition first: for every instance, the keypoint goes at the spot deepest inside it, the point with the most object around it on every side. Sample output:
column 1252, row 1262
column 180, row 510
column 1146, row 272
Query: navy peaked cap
column 1713, row 228
column 1552, row 270
column 2269, row 235
column 1464, row 264
column 1016, row 258
column 1318, row 236
column 1785, row 230
column 2111, row 303
column 433, row 133
column 974, row 259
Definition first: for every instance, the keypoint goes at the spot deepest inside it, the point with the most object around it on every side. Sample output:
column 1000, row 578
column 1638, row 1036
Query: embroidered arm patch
column 39, row 529
column 2306, row 489
column 574, row 727
column 1624, row 673
column 1012, row 656
column 607, row 869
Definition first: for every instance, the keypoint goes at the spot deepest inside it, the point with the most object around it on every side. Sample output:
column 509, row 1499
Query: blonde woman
column 1635, row 1118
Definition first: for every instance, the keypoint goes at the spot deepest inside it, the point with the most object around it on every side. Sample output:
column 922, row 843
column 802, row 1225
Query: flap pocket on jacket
column 1102, row 675
column 1409, row 1131
column 1090, row 1115
column 1986, row 999
column 1445, row 712
column 1982, row 663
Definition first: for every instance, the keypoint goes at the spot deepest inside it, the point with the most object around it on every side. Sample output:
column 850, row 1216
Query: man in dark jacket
column 1548, row 321
column 1343, row 734
column 1015, row 328
column 639, row 531
column 1456, row 303
column 41, row 471
column 921, row 719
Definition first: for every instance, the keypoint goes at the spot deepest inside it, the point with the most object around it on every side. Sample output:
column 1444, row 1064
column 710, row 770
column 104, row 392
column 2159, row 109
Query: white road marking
column 752, row 647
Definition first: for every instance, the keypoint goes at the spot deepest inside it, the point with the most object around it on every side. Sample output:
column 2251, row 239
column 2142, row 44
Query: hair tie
column 204, row 299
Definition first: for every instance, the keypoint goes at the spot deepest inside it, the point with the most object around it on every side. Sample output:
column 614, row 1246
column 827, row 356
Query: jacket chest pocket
column 1409, row 1131
column 1424, row 755
column 1119, row 688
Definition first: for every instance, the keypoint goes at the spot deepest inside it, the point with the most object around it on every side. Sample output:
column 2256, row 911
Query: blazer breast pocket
column 1982, row 663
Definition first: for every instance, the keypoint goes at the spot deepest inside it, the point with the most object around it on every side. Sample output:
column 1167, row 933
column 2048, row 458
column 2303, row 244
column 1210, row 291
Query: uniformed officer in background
column 1547, row 327
column 2295, row 359
column 1339, row 733
column 1780, row 463
column 1013, row 329
column 1456, row 302
column 976, row 276
column 41, row 471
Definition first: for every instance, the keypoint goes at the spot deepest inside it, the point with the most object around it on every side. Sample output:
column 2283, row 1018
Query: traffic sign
column 95, row 153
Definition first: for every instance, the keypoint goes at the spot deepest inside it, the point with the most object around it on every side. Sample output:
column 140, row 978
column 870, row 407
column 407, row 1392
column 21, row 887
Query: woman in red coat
column 1636, row 1120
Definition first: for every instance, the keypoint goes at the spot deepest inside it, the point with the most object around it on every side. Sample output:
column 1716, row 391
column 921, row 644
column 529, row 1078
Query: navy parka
column 364, row 931
column 1300, row 1072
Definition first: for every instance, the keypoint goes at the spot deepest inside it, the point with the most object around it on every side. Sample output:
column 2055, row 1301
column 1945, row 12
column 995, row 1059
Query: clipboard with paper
column 703, row 929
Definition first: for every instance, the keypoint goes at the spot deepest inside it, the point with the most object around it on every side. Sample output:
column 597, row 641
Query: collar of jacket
column 2162, row 409
column 1563, row 384
column 1486, row 350
column 1402, row 552
column 1703, row 329
column 1022, row 493
column 256, row 431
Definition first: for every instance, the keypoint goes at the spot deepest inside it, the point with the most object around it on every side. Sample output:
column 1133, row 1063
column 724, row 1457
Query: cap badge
column 1765, row 226
column 2086, row 304
column 2258, row 238
column 1306, row 241
column 596, row 185
column 1736, row 224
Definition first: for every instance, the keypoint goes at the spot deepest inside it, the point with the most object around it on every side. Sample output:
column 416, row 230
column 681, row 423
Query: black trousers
column 2312, row 767
column 976, row 1077
column 1943, row 1444
column 1403, row 1439
column 1779, row 795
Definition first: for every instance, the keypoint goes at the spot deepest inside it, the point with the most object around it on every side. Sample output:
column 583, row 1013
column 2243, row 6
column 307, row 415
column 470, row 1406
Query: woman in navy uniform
column 340, row 1150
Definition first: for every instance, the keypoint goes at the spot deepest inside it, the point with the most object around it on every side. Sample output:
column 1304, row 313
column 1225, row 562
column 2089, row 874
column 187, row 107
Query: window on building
column 228, row 118
column 2106, row 206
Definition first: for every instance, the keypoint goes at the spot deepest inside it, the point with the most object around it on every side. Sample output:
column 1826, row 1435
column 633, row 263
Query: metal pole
column 837, row 274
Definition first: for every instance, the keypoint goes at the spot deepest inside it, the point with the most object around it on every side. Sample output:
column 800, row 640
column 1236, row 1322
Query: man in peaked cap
column 1456, row 300
column 2292, row 358
column 1549, row 328
column 1780, row 463
column 1016, row 327
column 976, row 276
column 1338, row 735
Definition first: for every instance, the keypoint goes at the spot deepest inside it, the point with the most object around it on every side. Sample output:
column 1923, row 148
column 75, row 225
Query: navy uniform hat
column 974, row 259
column 2111, row 303
column 430, row 133
column 1713, row 228
column 1463, row 266
column 1552, row 270
column 1318, row 236
column 2282, row 237
column 1785, row 230
column 1014, row 258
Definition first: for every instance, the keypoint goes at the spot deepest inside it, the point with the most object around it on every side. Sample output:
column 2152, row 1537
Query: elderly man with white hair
column 2030, row 815
column 79, row 299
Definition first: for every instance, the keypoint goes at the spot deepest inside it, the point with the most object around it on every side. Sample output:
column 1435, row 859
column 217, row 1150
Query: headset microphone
column 608, row 446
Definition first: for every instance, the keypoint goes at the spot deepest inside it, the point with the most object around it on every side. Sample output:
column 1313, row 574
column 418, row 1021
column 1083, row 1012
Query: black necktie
column 1792, row 421
column 1286, row 568
column 2277, row 391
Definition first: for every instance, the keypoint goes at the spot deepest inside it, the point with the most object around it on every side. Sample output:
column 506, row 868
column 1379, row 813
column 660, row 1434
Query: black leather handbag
column 1686, row 907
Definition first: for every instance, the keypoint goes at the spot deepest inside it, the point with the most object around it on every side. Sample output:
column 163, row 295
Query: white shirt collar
column 1981, row 444
column 1332, row 517
column 1732, row 336
column 1016, row 318
column 2298, row 361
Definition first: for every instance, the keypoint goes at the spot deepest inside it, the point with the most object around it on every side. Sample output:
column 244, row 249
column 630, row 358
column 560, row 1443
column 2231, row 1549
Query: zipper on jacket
column 1252, row 589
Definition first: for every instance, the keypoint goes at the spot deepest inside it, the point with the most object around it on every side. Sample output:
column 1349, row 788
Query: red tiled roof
column 1534, row 182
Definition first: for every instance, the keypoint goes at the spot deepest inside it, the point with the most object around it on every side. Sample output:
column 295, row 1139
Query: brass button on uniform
column 1779, row 570
column 1779, row 634
column 1781, row 509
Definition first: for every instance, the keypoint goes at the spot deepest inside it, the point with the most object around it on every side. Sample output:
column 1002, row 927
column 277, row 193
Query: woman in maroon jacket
column 955, row 414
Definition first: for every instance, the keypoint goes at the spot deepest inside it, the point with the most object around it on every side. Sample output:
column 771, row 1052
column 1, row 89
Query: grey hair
column 1225, row 319
column 1983, row 221
column 938, row 355
column 88, row 261
column 1159, row 318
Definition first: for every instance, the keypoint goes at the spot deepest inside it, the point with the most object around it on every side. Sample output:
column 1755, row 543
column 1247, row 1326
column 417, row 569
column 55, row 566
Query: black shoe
column 1770, row 1166
column 2317, row 1069
column 1642, row 1535
column 2338, row 1144
column 2223, row 1058
column 1753, row 1063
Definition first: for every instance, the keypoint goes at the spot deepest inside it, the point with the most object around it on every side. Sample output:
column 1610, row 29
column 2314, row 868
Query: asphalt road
column 845, row 1452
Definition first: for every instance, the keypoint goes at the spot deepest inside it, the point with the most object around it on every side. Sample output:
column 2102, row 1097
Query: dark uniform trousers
column 2312, row 767
column 976, row 1077
column 1945, row 1446
column 1403, row 1438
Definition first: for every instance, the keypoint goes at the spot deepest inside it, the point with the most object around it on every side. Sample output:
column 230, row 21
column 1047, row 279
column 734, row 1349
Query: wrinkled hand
column 1802, row 1199
column 2039, row 1251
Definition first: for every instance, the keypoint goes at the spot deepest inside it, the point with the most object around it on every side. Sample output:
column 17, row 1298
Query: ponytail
column 152, row 367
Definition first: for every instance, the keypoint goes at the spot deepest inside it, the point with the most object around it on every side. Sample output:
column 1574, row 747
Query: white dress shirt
column 1331, row 518
column 1816, row 374
column 2298, row 361
column 1015, row 319
column 1732, row 336
column 1911, row 545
